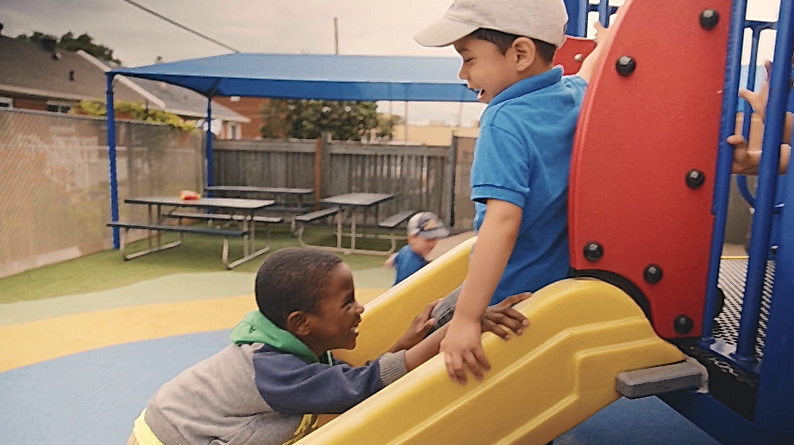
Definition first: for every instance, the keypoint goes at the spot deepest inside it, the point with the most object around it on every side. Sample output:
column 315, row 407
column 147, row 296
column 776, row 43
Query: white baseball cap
column 543, row 20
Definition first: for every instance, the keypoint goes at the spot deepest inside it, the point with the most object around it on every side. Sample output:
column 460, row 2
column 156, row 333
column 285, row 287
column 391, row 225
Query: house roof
column 29, row 69
column 186, row 102
column 302, row 76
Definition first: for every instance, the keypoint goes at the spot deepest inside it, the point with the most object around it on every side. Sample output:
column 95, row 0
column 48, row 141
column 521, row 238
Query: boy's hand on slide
column 462, row 345
column 502, row 315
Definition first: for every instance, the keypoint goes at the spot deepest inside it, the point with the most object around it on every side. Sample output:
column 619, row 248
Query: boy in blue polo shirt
column 519, row 176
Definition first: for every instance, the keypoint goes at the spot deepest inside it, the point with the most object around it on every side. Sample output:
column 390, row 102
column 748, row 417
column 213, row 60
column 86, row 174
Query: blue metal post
column 208, row 153
column 604, row 11
column 767, row 183
column 775, row 397
column 577, row 17
column 114, row 184
column 752, row 73
column 722, row 177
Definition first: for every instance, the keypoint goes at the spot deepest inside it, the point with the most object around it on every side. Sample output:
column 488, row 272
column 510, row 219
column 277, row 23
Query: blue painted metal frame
column 722, row 177
column 721, row 423
column 752, row 72
column 756, row 28
column 775, row 399
column 577, row 15
column 767, row 185
column 775, row 394
column 114, row 183
column 208, row 157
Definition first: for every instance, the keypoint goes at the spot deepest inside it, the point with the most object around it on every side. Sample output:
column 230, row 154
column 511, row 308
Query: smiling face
column 485, row 69
column 334, row 324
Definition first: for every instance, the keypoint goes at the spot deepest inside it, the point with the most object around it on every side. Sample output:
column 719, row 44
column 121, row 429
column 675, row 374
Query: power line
column 177, row 24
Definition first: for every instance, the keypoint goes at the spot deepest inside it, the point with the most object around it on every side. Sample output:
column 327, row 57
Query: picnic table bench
column 346, row 208
column 225, row 217
column 126, row 227
column 392, row 223
column 240, row 213
column 306, row 218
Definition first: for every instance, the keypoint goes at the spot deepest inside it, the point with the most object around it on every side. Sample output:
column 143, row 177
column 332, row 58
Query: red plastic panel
column 572, row 52
column 638, row 138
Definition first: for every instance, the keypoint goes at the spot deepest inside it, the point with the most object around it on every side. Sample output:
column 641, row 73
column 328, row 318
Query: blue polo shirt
column 523, row 157
column 406, row 263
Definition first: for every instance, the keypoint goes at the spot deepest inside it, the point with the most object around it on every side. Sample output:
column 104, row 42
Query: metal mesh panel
column 54, row 186
column 155, row 160
column 731, row 281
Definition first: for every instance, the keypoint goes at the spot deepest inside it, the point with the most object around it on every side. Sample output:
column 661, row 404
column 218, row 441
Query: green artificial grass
column 198, row 253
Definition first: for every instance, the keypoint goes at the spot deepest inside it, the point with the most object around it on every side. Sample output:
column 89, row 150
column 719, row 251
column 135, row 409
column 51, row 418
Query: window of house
column 6, row 102
column 234, row 131
column 55, row 106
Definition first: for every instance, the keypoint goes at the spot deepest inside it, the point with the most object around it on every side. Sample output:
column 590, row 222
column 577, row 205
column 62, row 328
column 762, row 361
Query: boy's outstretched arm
column 500, row 317
column 420, row 327
column 495, row 242
column 390, row 261
column 589, row 63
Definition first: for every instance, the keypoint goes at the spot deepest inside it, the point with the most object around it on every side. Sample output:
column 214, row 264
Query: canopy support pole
column 208, row 154
column 114, row 186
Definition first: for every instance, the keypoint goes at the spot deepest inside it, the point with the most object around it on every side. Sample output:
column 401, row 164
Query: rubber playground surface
column 79, row 369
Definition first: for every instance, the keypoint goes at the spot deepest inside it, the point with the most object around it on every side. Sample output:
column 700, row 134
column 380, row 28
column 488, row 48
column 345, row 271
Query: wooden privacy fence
column 434, row 179
column 421, row 177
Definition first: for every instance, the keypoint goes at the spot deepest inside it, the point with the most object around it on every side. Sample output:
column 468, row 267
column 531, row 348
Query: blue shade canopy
column 303, row 76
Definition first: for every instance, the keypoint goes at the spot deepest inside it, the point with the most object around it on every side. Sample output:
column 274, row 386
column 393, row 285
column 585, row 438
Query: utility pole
column 336, row 36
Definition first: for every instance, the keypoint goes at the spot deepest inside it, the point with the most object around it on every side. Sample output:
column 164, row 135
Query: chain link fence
column 54, row 181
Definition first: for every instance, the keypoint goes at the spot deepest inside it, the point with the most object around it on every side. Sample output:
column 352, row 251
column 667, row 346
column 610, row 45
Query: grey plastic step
column 688, row 374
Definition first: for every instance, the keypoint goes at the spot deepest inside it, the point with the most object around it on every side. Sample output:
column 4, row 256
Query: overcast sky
column 366, row 27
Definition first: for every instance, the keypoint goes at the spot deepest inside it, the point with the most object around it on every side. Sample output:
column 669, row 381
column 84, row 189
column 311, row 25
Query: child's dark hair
column 503, row 40
column 292, row 279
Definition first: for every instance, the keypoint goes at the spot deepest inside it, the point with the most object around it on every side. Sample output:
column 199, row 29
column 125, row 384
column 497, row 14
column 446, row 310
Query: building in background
column 42, row 78
column 248, row 107
column 436, row 133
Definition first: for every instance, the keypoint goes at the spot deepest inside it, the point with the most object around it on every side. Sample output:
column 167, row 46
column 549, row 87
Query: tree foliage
column 308, row 119
column 132, row 110
column 68, row 42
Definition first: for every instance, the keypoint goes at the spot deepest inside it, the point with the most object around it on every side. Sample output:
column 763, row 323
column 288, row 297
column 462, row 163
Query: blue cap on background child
column 427, row 225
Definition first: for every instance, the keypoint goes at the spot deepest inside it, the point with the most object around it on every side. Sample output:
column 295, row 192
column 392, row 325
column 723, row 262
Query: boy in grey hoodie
column 269, row 386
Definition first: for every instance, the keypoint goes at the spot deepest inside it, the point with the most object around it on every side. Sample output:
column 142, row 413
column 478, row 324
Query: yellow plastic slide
column 582, row 333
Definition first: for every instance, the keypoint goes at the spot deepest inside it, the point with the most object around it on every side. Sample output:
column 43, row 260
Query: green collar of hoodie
column 256, row 328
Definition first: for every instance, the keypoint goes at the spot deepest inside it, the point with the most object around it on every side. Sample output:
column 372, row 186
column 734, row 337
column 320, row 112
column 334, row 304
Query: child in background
column 268, row 387
column 424, row 231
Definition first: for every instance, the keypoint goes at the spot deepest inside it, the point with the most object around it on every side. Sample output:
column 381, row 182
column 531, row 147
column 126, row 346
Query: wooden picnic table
column 288, row 199
column 240, row 212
